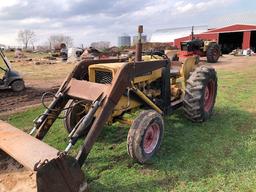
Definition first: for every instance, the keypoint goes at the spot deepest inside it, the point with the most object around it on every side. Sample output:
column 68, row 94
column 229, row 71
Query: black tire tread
column 193, row 103
column 136, row 134
column 209, row 53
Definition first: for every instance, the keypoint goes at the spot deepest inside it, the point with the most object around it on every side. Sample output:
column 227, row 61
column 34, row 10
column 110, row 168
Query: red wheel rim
column 151, row 138
column 209, row 95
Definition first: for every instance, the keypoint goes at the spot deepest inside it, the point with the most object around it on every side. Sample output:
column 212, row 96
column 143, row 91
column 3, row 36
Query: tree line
column 28, row 38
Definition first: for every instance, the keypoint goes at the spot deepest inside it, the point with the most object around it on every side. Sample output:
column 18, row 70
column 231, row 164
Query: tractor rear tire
column 213, row 53
column 72, row 115
column 18, row 85
column 200, row 94
column 145, row 136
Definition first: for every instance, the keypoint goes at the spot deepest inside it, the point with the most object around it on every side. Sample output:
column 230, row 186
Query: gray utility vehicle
column 8, row 77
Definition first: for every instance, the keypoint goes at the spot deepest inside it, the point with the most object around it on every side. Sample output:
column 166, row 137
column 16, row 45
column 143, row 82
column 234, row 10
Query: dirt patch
column 14, row 177
column 234, row 63
column 11, row 101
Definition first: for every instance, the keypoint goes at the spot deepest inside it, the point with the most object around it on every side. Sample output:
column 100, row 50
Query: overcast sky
column 94, row 20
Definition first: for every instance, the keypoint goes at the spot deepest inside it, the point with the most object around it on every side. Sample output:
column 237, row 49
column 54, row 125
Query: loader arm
column 80, row 72
column 121, row 81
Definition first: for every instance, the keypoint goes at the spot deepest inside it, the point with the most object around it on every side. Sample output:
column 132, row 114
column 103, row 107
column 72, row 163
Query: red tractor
column 203, row 48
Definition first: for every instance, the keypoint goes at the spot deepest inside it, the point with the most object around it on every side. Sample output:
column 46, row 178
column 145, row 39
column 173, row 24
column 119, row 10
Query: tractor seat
column 175, row 72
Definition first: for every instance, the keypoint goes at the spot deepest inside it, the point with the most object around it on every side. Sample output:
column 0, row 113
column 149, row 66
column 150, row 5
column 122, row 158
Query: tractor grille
column 104, row 77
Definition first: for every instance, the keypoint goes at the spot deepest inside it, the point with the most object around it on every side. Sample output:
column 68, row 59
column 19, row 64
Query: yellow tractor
column 100, row 91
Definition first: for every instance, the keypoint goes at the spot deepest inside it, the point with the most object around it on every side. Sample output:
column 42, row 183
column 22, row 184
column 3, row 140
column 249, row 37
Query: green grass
column 218, row 155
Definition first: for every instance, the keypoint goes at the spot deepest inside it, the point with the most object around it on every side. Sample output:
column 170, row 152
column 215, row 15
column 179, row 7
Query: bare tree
column 56, row 40
column 26, row 37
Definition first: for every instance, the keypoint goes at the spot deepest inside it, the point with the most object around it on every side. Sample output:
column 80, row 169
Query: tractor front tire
column 73, row 114
column 213, row 53
column 145, row 136
column 200, row 94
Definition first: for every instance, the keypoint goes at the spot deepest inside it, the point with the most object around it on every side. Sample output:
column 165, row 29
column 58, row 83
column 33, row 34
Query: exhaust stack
column 138, row 56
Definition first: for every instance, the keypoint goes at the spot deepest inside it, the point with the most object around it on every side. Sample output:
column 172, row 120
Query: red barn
column 229, row 37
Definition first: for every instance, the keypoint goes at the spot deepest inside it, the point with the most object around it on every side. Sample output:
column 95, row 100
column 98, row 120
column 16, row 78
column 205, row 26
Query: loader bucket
column 55, row 172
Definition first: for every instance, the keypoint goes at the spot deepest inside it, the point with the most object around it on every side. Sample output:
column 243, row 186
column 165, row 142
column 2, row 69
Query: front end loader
column 101, row 91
